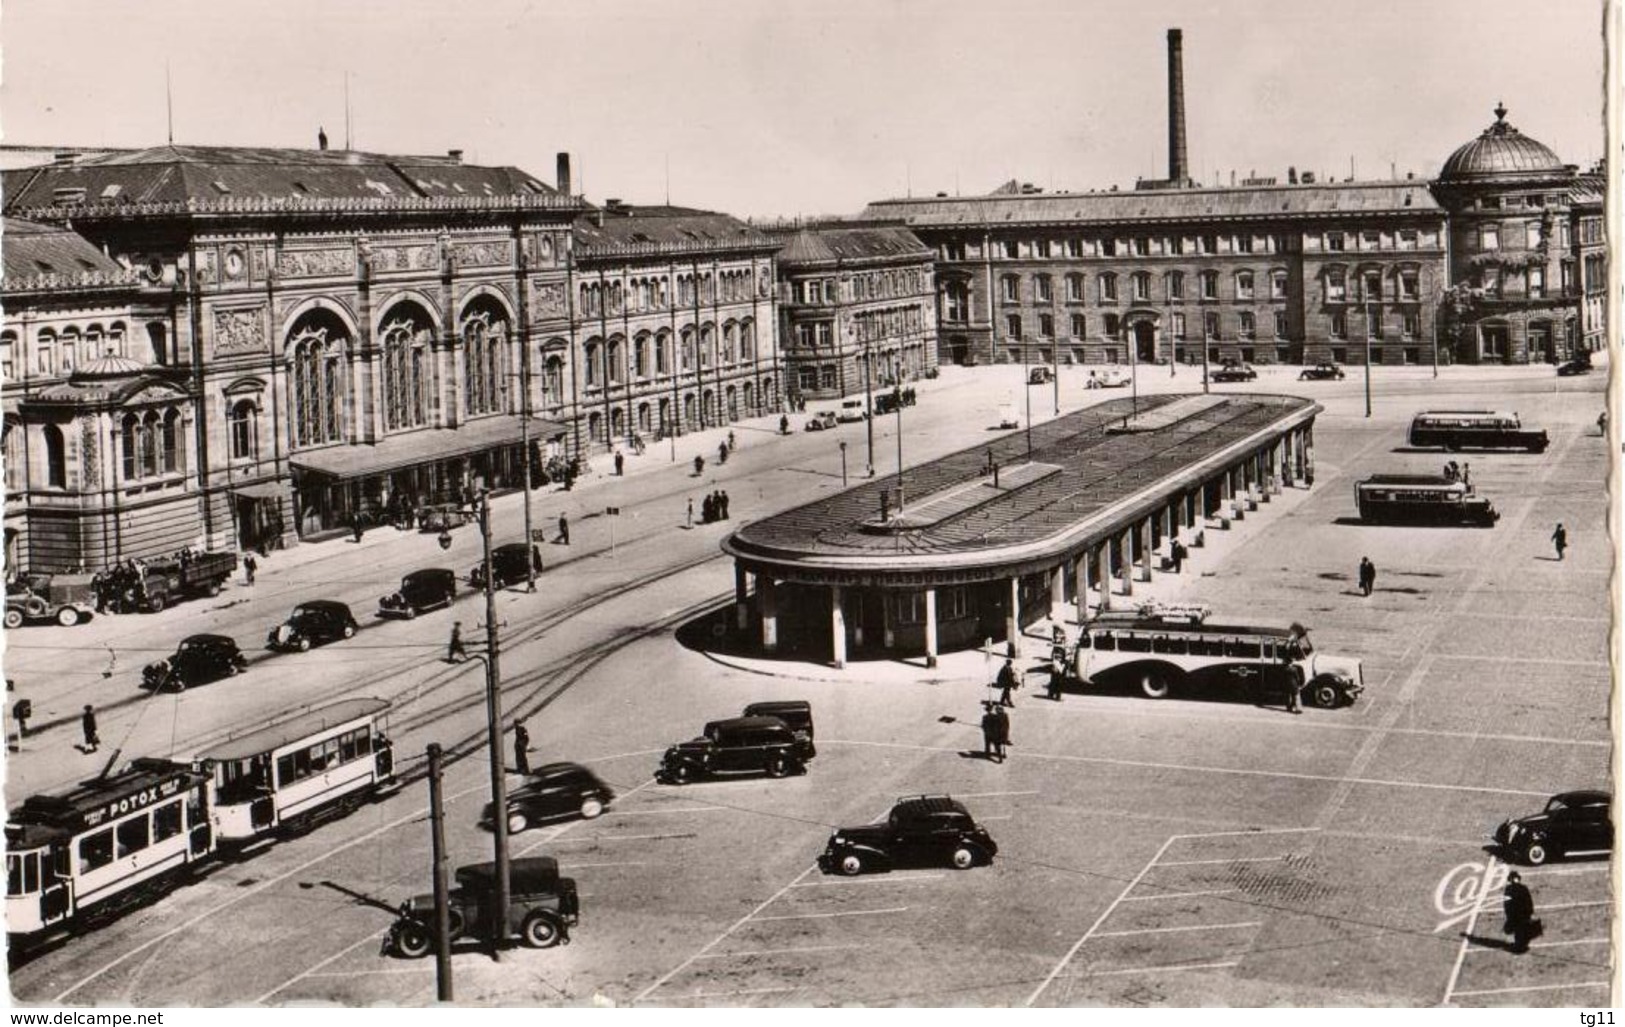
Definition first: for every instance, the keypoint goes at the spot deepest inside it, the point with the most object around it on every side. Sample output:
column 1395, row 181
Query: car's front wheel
column 303, row 645
column 349, row 631
column 1537, row 852
column 778, row 767
column 413, row 940
column 591, row 808
column 67, row 616
column 540, row 931
column 1324, row 693
column 850, row 864
column 14, row 619
column 517, row 822
column 678, row 775
column 964, row 858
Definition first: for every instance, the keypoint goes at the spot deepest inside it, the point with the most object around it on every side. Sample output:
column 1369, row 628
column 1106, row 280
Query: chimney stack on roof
column 455, row 155
column 321, row 138
column 561, row 180
column 1177, row 170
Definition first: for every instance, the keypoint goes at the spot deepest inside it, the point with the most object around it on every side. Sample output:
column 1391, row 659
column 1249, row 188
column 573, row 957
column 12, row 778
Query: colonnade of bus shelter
column 1096, row 575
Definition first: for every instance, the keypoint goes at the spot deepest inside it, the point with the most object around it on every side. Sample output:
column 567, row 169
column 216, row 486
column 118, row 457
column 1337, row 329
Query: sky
column 768, row 108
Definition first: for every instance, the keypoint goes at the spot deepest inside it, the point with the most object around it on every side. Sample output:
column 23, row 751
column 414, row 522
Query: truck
column 63, row 599
column 169, row 581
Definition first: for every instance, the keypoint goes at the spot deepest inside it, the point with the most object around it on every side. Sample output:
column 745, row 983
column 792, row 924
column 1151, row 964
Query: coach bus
column 327, row 760
column 1475, row 429
column 1159, row 652
column 105, row 844
column 1421, row 499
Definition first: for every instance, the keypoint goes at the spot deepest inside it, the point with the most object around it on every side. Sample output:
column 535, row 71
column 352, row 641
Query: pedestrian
column 1467, row 476
column 1057, row 662
column 570, row 476
column 722, row 503
column 690, row 522
column 1177, row 553
column 455, row 653
column 1293, row 675
column 708, row 509
column 1519, row 907
column 699, row 466
column 88, row 723
column 990, row 733
column 1602, row 423
column 722, row 452
column 564, row 530
column 1002, row 719
column 250, row 565
column 620, row 464
column 784, row 424
column 356, row 527
column 1006, row 683
column 732, row 443
column 1368, row 575
column 1560, row 539
column 521, row 747
column 536, row 558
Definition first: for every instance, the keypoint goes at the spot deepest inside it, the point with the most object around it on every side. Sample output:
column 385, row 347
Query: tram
column 107, row 842
column 326, row 760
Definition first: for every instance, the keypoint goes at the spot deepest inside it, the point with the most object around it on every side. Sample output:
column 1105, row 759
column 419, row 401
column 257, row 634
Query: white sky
column 765, row 108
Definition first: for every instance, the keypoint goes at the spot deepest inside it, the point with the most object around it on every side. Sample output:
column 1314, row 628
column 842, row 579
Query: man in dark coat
column 1519, row 907
column 521, row 747
column 1177, row 554
column 1006, row 683
column 1560, row 539
column 722, row 502
column 1002, row 721
column 564, row 530
column 455, row 653
column 990, row 733
column 1368, row 575
column 88, row 723
column 708, row 509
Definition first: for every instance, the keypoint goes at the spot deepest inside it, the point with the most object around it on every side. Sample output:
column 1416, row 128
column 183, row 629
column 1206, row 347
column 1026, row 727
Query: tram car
column 106, row 844
column 328, row 760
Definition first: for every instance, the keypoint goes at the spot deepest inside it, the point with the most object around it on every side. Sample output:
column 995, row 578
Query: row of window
column 1489, row 236
column 128, row 837
column 653, row 353
column 653, row 293
column 872, row 325
column 1213, row 324
column 1406, row 286
column 740, row 400
column 866, row 285
column 58, row 353
column 1076, row 247
column 323, row 756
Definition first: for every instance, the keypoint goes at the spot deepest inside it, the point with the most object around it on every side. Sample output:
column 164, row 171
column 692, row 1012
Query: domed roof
column 109, row 365
column 1501, row 151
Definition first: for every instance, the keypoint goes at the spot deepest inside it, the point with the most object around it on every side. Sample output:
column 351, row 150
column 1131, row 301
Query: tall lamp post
column 493, row 716
column 1027, row 387
column 1370, row 329
column 1133, row 372
column 897, row 403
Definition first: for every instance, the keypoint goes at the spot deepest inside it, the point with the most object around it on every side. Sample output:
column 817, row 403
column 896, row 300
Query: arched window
column 589, row 364
column 663, row 353
column 70, row 350
column 1108, row 288
column 1142, row 286
column 747, row 340
column 640, row 356
column 45, row 352
column 553, row 380
column 688, row 349
column 115, row 339
column 1244, row 285
column 151, row 442
column 171, row 443
column 158, row 341
column 1176, row 285
column 93, row 343
column 612, row 360
column 56, row 458
column 485, row 357
column 405, row 340
column 1210, row 285
column 729, row 343
column 708, row 344
column 316, row 358
column 243, row 428
column 130, row 446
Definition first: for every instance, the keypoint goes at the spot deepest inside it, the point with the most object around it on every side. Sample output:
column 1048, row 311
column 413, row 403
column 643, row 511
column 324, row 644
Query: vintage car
column 310, row 623
column 63, row 599
column 1107, row 378
column 422, row 590
column 1322, row 372
column 542, row 907
column 852, row 410
column 1008, row 418
column 507, row 565
column 1041, row 375
column 1233, row 373
column 822, row 420
column 197, row 660
column 1572, row 824
column 441, row 517
column 551, row 792
column 796, row 713
column 926, row 830
column 1579, row 365
column 734, row 746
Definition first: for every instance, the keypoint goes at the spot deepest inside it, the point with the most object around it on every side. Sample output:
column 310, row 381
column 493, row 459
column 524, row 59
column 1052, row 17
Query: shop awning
column 261, row 490
column 423, row 447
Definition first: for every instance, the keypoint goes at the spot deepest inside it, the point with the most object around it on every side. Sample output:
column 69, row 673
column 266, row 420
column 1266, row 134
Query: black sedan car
column 1579, row 365
column 1234, row 373
column 507, row 565
column 311, row 623
column 552, row 792
column 197, row 660
column 428, row 589
column 926, row 830
column 1572, row 824
column 1322, row 372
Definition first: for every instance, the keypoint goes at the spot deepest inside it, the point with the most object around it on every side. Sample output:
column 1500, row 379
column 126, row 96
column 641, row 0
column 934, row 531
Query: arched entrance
column 1145, row 342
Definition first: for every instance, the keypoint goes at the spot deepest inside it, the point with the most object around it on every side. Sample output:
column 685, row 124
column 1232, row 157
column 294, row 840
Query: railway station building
column 980, row 544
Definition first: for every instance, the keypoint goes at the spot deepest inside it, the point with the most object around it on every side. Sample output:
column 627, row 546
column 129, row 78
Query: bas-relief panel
column 420, row 256
column 549, row 300
column 89, row 449
column 239, row 331
column 316, row 263
column 494, row 253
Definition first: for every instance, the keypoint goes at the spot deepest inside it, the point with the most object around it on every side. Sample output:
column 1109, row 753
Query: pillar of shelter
column 1080, row 585
column 1103, row 574
column 888, row 631
column 741, row 598
column 1125, row 560
column 767, row 604
column 1057, row 591
column 1012, row 619
column 930, row 627
column 837, row 626
column 1145, row 550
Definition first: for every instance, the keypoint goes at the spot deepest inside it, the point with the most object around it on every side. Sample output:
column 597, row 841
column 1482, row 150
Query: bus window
column 14, row 875
column 1243, row 648
column 95, row 851
column 134, row 835
column 1104, row 640
column 1164, row 644
column 1134, row 643
column 166, row 821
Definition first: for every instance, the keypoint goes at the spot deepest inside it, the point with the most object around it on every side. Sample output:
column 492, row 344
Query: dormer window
column 68, row 196
column 111, row 190
column 221, row 186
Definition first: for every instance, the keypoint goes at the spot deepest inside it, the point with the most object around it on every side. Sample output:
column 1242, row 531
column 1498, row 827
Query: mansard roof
column 1151, row 206
column 623, row 230
column 37, row 257
column 832, row 243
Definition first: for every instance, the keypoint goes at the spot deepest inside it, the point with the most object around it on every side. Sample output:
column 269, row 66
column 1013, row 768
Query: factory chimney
column 1178, row 173
column 562, row 181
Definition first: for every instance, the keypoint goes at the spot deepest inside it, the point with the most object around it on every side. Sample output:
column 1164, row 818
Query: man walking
column 620, row 464
column 249, row 567
column 722, row 503
column 455, row 653
column 1177, row 553
column 990, row 733
column 1560, row 539
column 88, row 724
column 1006, row 683
column 1368, row 575
column 1519, row 907
column 1002, row 724
column 690, row 522
column 564, row 530
column 521, row 747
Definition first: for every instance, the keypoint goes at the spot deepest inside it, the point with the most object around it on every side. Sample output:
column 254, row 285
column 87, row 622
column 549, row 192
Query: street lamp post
column 1134, row 373
column 493, row 715
column 843, row 463
column 1027, row 387
column 897, row 401
column 868, row 402
column 1370, row 327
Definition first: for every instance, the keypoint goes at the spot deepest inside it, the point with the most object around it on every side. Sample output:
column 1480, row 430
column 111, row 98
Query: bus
column 1159, row 652
column 1422, row 499
column 1475, row 429
column 327, row 760
column 105, row 844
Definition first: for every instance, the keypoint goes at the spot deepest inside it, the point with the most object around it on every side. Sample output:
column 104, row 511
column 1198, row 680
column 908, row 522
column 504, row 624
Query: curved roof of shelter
column 1152, row 205
column 827, row 244
column 1105, row 480
column 1501, row 151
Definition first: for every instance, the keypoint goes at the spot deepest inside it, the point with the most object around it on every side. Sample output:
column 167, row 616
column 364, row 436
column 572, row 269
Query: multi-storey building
column 858, row 308
column 672, row 326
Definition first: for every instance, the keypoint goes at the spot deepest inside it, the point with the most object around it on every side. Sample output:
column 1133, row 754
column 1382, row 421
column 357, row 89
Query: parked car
column 310, row 623
column 822, row 420
column 796, row 713
column 553, row 791
column 737, row 745
column 507, row 565
column 852, row 410
column 1576, row 823
column 197, row 660
column 926, row 830
column 64, row 599
column 1233, row 373
column 1008, row 418
column 542, row 907
column 441, row 517
column 1107, row 378
column 1579, row 365
column 1041, row 375
column 1322, row 372
column 427, row 589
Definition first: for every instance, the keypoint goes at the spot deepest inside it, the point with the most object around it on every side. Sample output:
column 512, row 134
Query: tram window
column 14, row 875
column 95, row 851
column 166, row 821
column 134, row 835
